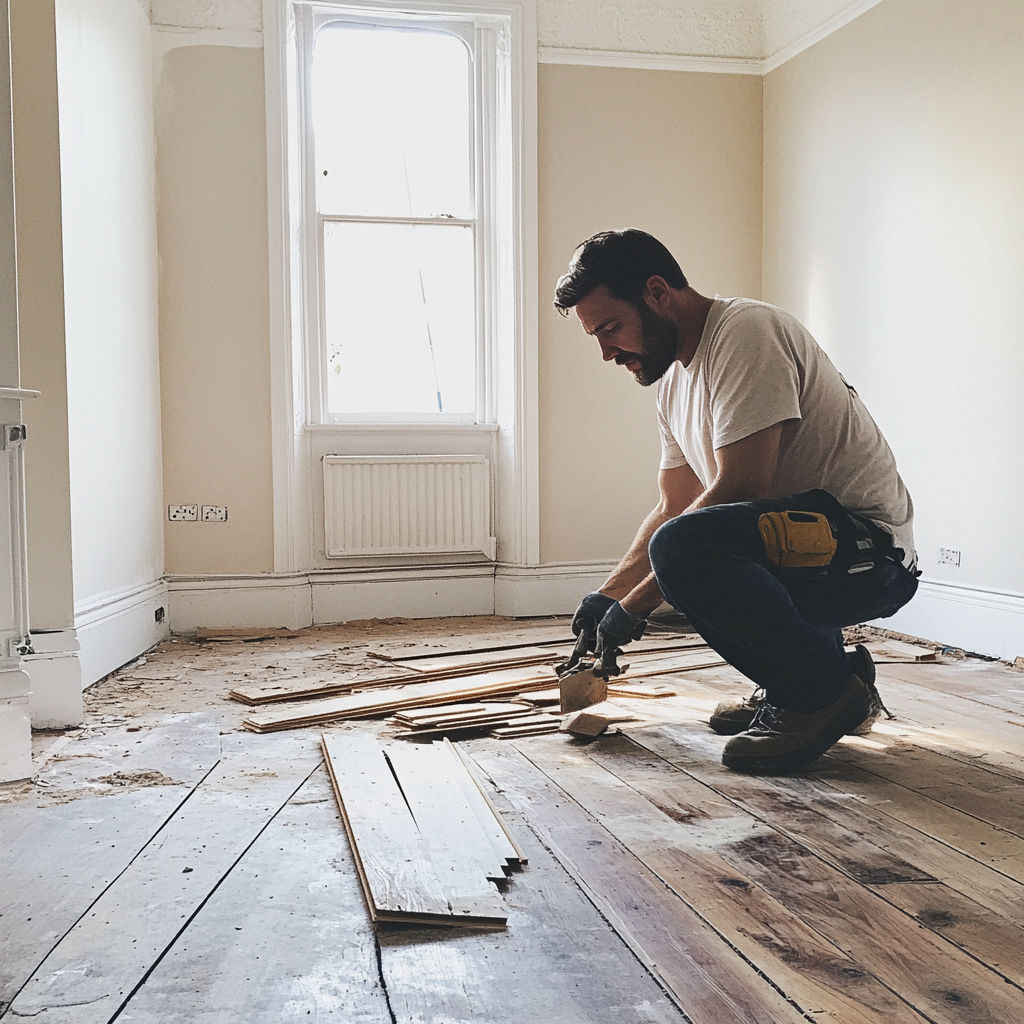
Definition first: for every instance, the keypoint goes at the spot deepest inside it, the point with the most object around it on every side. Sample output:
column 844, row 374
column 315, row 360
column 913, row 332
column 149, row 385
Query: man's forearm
column 635, row 566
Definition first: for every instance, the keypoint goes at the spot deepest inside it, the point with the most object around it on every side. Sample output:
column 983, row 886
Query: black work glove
column 590, row 612
column 617, row 628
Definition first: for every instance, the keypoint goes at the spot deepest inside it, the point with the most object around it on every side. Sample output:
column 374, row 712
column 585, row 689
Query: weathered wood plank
column 972, row 789
column 834, row 825
column 405, row 879
column 97, row 965
column 982, row 933
column 284, row 938
column 64, row 846
column 486, row 810
column 977, row 839
column 382, row 702
column 936, row 978
column 559, row 961
column 686, row 845
column 427, row 775
column 689, row 957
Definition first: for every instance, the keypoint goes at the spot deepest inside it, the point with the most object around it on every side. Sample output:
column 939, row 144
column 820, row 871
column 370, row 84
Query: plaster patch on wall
column 234, row 15
column 720, row 28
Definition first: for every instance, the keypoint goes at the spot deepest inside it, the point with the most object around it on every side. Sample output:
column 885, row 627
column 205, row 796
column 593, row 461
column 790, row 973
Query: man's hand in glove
column 590, row 612
column 616, row 629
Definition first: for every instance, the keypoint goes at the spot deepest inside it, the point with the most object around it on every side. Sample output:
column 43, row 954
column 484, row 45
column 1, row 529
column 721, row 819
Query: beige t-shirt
column 757, row 366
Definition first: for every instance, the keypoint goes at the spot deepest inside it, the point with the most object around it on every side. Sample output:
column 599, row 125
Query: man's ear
column 657, row 293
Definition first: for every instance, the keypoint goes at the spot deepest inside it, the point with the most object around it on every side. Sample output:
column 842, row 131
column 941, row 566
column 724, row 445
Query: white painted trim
column 401, row 428
column 516, row 417
column 704, row 64
column 56, row 673
column 983, row 621
column 552, row 589
column 323, row 596
column 272, row 600
column 826, row 28
column 116, row 627
column 415, row 593
column 649, row 61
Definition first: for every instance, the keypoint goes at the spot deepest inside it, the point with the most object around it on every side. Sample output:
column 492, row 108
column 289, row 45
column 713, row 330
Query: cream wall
column 677, row 154
column 214, row 306
column 41, row 310
column 108, row 200
column 894, row 226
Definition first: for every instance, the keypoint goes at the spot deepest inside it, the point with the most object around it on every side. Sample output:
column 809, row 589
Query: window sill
column 401, row 428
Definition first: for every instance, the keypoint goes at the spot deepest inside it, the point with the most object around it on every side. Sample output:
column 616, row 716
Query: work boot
column 735, row 716
column 785, row 741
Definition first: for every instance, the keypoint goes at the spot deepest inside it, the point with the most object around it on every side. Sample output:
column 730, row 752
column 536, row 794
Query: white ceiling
column 757, row 30
column 767, row 31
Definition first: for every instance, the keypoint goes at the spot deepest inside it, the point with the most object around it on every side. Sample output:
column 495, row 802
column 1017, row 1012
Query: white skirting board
column 56, row 673
column 982, row 621
column 553, row 589
column 114, row 629
column 324, row 596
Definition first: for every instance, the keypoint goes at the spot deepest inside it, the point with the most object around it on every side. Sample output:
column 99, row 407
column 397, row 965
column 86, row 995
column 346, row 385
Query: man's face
column 643, row 341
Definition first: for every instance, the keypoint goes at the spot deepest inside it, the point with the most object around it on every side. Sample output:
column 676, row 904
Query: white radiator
column 407, row 505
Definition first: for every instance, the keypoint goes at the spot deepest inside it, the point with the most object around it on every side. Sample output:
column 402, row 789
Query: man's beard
column 659, row 339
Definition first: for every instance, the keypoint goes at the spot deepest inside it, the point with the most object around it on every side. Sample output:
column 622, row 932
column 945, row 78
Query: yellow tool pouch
column 797, row 540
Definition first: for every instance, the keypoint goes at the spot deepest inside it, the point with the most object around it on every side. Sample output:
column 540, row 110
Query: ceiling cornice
column 732, row 36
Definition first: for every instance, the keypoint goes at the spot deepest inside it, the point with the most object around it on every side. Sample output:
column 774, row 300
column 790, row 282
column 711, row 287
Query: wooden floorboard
column 94, row 969
column 866, row 819
column 558, row 961
column 284, row 938
column 70, row 846
column 883, row 883
column 886, row 942
column 694, row 962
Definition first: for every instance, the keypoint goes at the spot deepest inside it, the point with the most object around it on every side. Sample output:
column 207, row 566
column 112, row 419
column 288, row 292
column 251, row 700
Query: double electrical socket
column 191, row 513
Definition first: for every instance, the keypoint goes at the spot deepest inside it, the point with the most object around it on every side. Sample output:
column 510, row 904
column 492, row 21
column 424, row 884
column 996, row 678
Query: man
column 782, row 517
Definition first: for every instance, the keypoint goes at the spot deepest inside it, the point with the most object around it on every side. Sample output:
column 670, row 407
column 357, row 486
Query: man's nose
column 609, row 352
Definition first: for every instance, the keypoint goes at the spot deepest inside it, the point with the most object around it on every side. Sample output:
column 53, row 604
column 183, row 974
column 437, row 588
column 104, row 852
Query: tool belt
column 822, row 538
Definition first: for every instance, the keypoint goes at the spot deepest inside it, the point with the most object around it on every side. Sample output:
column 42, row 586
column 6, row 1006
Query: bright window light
column 392, row 122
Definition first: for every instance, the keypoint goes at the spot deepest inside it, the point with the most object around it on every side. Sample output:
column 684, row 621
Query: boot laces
column 766, row 719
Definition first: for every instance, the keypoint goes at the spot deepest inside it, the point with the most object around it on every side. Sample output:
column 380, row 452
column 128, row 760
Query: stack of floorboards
column 429, row 680
column 415, row 695
column 452, row 719
column 395, row 673
column 428, row 844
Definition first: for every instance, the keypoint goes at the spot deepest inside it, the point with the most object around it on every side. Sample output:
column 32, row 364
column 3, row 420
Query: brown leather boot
column 735, row 716
column 784, row 741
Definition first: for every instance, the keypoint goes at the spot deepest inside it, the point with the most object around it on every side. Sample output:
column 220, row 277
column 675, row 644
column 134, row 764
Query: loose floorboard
column 884, row 883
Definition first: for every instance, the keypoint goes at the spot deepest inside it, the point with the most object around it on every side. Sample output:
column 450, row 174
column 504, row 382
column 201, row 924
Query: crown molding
column 706, row 38
column 815, row 35
column 648, row 61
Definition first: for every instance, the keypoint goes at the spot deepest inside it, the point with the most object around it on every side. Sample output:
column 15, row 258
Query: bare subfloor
column 165, row 865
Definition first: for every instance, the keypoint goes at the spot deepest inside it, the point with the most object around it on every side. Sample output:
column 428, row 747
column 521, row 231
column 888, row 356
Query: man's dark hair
column 623, row 260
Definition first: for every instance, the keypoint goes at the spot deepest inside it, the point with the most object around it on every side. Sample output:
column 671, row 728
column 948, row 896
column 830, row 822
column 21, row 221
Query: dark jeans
column 779, row 627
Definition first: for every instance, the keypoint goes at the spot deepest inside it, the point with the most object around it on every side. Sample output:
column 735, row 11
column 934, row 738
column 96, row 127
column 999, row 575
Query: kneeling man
column 782, row 517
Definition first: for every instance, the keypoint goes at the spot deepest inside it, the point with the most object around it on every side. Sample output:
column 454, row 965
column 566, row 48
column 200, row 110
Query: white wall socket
column 948, row 556
column 182, row 513
column 215, row 514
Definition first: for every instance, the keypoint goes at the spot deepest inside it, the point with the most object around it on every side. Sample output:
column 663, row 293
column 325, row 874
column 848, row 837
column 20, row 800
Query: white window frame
column 506, row 419
column 482, row 34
